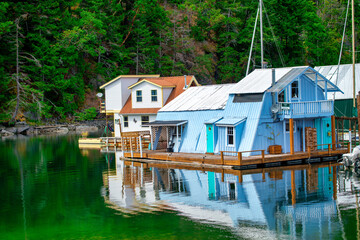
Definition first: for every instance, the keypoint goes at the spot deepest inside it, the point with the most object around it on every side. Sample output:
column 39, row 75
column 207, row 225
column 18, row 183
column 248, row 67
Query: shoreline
column 22, row 128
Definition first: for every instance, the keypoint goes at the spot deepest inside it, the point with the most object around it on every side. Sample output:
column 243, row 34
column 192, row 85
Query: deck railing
column 306, row 109
column 102, row 106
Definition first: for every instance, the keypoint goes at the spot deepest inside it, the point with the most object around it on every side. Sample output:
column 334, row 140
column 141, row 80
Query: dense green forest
column 55, row 54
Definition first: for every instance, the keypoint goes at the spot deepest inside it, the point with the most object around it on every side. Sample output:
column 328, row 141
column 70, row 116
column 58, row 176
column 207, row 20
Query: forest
column 55, row 54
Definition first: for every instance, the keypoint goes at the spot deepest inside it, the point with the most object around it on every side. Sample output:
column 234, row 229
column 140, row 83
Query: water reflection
column 297, row 201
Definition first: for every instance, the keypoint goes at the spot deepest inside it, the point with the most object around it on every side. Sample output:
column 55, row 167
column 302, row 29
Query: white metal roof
column 211, row 97
column 259, row 80
column 345, row 80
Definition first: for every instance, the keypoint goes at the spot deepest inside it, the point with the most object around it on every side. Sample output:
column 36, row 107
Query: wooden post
column 141, row 153
column 291, row 129
column 333, row 133
column 329, row 149
column 293, row 189
column 222, row 175
column 309, row 151
column 240, row 158
column 131, row 149
column 240, row 177
column 263, row 156
column 222, row 157
column 334, row 183
column 263, row 175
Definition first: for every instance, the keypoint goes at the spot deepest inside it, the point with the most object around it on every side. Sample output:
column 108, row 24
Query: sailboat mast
column 353, row 49
column 261, row 36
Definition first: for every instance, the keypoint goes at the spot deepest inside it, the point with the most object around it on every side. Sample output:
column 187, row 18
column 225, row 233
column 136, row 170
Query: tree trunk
column 17, row 74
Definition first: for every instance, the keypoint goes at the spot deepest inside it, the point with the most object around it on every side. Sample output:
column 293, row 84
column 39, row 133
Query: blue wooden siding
column 194, row 135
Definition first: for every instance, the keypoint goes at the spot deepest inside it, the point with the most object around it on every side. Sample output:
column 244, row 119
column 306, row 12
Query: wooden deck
column 250, row 162
column 135, row 148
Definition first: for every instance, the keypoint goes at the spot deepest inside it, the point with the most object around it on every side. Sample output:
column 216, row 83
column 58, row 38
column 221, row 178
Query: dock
column 242, row 163
column 136, row 149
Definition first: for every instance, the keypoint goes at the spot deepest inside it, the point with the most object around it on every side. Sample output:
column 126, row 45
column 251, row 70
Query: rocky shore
column 22, row 128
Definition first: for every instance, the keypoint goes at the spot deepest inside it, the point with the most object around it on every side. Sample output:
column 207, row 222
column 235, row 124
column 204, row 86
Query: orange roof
column 127, row 109
column 177, row 82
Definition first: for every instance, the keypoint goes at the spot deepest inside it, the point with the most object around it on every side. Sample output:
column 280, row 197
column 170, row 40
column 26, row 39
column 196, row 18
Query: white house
column 135, row 99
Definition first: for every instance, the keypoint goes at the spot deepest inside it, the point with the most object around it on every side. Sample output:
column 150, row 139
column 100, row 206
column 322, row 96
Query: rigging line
column 252, row 42
column 273, row 34
column 341, row 49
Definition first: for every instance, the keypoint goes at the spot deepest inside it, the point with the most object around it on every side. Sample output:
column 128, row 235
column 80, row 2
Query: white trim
column 226, row 135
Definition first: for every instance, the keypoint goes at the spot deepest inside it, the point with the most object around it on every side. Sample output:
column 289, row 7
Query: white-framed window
column 126, row 121
column 230, row 136
column 295, row 89
column 154, row 97
column 287, row 127
column 138, row 96
column 144, row 119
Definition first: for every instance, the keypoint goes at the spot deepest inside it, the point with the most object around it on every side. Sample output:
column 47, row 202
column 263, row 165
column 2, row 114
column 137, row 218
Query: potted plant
column 273, row 149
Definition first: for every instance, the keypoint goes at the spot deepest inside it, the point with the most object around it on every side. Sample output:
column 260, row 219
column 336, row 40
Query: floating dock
column 136, row 149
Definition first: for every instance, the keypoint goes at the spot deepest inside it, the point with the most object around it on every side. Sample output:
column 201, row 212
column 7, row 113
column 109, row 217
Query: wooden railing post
column 239, row 158
column 329, row 149
column 333, row 139
column 141, row 153
column 222, row 157
column 263, row 156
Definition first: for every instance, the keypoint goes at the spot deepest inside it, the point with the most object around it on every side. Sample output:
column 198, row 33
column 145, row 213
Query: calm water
column 51, row 189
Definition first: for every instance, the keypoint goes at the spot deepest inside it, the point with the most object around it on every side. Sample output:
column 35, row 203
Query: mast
column 261, row 35
column 353, row 49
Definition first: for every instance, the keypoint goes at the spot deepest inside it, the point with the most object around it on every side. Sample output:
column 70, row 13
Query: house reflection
column 298, row 201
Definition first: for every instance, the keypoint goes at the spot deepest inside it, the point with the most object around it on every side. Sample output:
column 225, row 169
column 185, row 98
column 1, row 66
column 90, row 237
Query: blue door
column 323, row 130
column 209, row 138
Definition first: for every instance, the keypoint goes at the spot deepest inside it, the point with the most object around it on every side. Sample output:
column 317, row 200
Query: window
column 154, row 95
column 126, row 121
column 295, row 89
column 144, row 119
column 230, row 136
column 281, row 96
column 138, row 96
column 287, row 127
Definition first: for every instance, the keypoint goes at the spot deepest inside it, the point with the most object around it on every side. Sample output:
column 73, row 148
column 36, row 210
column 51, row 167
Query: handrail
column 239, row 155
column 331, row 147
column 305, row 108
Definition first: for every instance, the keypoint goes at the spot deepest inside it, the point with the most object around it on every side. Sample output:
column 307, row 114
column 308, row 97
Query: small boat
column 352, row 159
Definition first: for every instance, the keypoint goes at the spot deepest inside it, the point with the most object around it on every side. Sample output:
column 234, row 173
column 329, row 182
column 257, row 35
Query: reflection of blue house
column 259, row 108
column 286, row 206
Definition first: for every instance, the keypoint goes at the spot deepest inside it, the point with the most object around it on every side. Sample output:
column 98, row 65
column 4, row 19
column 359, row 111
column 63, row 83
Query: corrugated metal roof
column 213, row 120
column 165, row 123
column 259, row 80
column 286, row 79
column 210, row 97
column 230, row 121
column 344, row 81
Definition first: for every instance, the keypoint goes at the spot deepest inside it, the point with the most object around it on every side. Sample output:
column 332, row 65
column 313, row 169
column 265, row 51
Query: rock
column 72, row 128
column 5, row 133
column 81, row 129
column 48, row 130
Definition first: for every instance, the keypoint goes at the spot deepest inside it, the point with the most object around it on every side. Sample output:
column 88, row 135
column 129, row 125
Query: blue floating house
column 284, row 106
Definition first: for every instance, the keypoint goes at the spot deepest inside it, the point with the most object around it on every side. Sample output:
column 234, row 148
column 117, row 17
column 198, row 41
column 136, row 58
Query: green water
column 50, row 189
